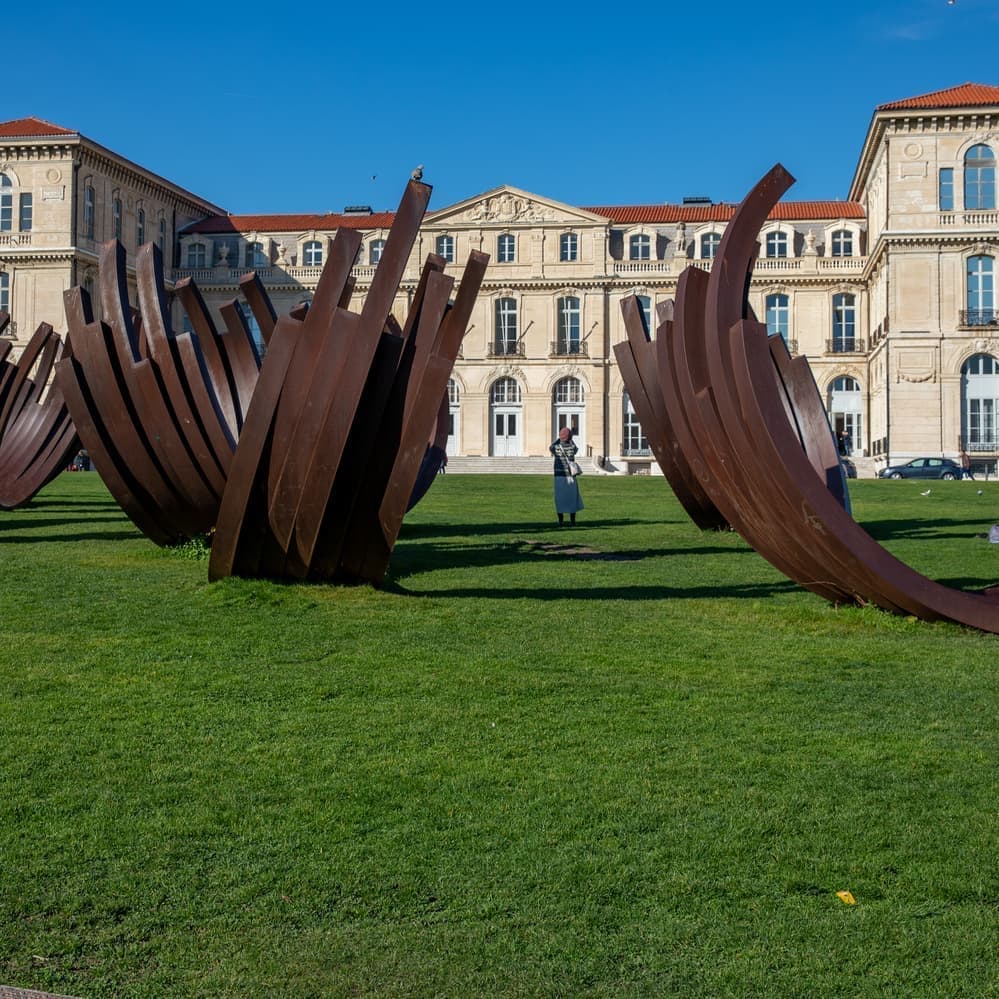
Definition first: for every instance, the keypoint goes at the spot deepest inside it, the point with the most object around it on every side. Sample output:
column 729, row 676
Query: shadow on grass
column 887, row 530
column 417, row 531
column 751, row 591
column 126, row 534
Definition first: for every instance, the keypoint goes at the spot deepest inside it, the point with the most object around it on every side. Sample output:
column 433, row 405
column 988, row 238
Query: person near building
column 966, row 464
column 567, row 497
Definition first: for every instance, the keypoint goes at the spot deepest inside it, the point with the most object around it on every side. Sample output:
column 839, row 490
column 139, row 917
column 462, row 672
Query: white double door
column 507, row 431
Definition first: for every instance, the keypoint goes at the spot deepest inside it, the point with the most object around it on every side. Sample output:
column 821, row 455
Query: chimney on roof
column 699, row 200
column 357, row 210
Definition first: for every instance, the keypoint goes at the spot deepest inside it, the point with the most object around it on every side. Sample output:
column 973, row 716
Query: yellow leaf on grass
column 846, row 897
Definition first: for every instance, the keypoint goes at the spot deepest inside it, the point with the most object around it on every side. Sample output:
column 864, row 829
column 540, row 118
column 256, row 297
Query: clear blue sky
column 307, row 107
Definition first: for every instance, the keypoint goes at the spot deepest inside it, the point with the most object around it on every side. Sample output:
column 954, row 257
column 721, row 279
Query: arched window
column 568, row 247
column 312, row 253
column 776, row 243
column 842, row 243
column 506, row 248
column 980, row 291
column 445, row 248
column 846, row 413
column 709, row 245
column 980, row 178
column 568, row 326
column 196, row 256
column 506, row 326
column 568, row 391
column 778, row 312
column 505, row 392
column 979, row 403
column 375, row 251
column 639, row 247
column 844, row 331
column 635, row 442
column 6, row 203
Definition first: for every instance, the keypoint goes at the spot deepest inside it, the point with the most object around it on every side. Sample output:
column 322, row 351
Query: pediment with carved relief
column 509, row 206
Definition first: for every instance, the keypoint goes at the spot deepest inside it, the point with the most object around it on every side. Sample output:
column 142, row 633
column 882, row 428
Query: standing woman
column 567, row 498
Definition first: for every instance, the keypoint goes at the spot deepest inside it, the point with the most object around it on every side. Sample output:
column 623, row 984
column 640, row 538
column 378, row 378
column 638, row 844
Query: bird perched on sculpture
column 417, row 174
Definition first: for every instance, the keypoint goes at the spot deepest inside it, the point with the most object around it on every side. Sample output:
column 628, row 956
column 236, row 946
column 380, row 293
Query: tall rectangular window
column 4, row 291
column 777, row 315
column 844, row 323
column 116, row 212
column 506, row 249
column 25, row 213
column 506, row 326
column 445, row 248
column 945, row 189
column 568, row 250
column 568, row 325
column 88, row 212
column 140, row 227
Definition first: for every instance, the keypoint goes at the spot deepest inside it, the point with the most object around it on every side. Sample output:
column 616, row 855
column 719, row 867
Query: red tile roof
column 963, row 96
column 23, row 128
column 789, row 211
column 291, row 223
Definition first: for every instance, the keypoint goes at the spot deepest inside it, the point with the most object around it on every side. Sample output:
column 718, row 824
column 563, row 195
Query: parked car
column 923, row 468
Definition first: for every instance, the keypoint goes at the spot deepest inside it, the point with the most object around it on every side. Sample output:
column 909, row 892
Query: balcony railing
column 567, row 348
column 636, row 452
column 500, row 349
column 845, row 345
column 979, row 317
column 15, row 239
column 977, row 447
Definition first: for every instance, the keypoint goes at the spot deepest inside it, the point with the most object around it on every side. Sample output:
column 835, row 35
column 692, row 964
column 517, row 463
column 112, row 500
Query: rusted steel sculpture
column 37, row 437
column 337, row 430
column 750, row 423
column 159, row 412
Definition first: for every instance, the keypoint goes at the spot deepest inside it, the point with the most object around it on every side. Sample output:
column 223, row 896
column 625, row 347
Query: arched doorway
column 505, row 411
column 569, row 409
column 979, row 400
column 846, row 410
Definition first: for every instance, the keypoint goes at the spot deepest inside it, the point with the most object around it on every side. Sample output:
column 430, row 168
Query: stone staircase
column 506, row 466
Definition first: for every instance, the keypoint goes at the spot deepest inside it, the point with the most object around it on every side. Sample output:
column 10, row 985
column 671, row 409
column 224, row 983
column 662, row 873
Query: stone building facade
column 890, row 294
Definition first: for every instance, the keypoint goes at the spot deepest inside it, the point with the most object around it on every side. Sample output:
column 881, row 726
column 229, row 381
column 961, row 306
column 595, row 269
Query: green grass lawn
column 624, row 759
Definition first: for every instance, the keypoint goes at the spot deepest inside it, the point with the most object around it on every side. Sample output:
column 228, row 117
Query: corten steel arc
column 159, row 412
column 37, row 436
column 337, row 432
column 765, row 450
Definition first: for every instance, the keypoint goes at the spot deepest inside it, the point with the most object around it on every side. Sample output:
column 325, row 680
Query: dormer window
column 709, row 245
column 639, row 247
column 776, row 244
column 842, row 243
column 312, row 253
column 375, row 251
